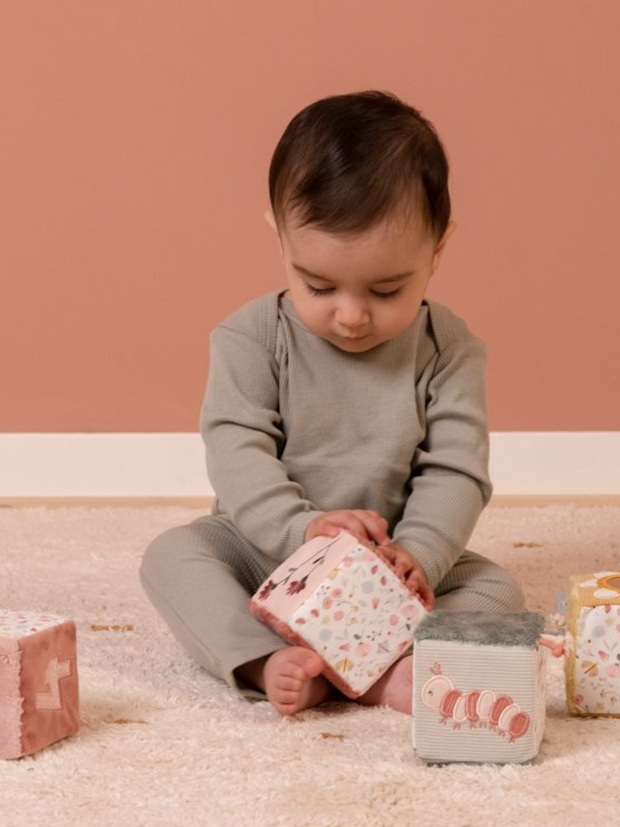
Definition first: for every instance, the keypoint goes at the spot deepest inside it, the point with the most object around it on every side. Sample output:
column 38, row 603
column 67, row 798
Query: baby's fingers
column 332, row 523
column 375, row 526
column 426, row 595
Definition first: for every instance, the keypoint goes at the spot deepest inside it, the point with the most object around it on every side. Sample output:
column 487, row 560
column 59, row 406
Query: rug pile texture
column 162, row 743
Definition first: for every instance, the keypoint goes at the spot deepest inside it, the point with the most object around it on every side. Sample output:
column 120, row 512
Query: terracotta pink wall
column 134, row 144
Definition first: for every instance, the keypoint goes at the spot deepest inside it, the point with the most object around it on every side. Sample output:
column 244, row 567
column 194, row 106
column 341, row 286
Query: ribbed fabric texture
column 200, row 578
column 294, row 426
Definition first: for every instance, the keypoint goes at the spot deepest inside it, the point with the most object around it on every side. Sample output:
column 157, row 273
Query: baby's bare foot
column 293, row 680
column 394, row 689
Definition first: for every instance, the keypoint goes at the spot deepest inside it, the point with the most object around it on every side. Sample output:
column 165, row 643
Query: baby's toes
column 286, row 683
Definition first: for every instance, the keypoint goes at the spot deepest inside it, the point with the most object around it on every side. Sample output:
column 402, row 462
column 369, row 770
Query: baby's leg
column 200, row 577
column 474, row 584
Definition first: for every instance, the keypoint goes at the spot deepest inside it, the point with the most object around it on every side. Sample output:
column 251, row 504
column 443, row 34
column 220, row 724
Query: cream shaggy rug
column 162, row 743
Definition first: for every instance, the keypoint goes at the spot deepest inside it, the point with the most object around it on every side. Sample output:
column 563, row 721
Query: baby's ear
column 271, row 219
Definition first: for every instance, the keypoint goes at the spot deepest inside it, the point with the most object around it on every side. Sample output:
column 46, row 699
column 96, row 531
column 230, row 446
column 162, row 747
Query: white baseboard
column 103, row 465
column 555, row 463
column 173, row 465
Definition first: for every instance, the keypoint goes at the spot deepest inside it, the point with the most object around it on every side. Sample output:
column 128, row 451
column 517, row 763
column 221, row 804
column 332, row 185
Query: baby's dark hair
column 346, row 162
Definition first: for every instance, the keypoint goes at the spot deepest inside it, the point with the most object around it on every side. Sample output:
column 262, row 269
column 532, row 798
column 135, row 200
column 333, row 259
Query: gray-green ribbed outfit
column 293, row 427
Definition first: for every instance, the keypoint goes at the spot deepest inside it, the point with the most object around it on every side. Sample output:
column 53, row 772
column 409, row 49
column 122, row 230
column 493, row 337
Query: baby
column 346, row 400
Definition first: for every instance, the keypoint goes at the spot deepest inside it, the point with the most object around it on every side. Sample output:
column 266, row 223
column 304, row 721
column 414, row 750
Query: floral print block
column 593, row 662
column 344, row 601
column 39, row 699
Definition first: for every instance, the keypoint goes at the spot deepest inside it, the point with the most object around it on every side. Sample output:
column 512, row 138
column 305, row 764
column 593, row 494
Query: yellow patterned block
column 593, row 662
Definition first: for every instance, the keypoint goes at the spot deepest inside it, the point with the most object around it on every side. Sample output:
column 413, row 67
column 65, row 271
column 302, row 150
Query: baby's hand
column 366, row 526
column 408, row 567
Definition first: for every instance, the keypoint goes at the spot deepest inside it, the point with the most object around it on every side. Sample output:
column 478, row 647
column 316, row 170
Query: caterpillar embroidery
column 483, row 709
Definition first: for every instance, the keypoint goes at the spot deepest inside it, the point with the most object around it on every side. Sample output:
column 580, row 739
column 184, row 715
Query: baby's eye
column 392, row 294
column 314, row 291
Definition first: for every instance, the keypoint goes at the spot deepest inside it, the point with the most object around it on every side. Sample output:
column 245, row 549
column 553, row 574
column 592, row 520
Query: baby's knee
column 507, row 592
column 164, row 553
column 480, row 585
column 202, row 540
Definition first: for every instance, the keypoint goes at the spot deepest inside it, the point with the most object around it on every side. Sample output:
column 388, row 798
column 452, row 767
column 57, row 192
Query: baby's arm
column 450, row 484
column 243, row 434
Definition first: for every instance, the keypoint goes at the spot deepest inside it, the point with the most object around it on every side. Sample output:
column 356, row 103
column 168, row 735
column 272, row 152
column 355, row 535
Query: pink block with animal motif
column 345, row 601
column 39, row 697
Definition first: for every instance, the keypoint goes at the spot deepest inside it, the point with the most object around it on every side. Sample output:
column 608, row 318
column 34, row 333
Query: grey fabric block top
column 482, row 628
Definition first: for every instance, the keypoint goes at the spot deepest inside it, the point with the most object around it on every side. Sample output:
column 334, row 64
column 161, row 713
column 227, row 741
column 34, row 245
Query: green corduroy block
column 479, row 687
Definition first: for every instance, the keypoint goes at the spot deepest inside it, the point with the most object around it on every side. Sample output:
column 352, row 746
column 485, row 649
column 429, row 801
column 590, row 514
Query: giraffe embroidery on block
column 39, row 688
column 55, row 672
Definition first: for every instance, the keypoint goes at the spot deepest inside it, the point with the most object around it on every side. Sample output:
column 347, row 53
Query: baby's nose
column 352, row 313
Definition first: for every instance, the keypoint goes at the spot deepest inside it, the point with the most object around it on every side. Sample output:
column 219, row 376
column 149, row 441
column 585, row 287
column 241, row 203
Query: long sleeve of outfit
column 244, row 434
column 294, row 427
column 449, row 484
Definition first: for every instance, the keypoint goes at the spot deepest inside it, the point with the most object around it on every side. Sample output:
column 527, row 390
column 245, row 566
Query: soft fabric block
column 39, row 699
column 344, row 601
column 593, row 661
column 479, row 687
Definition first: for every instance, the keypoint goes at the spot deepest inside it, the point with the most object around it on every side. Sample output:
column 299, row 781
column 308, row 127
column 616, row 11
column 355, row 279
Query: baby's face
column 358, row 291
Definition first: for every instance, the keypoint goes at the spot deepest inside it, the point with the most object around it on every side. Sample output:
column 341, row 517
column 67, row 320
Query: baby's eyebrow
column 383, row 280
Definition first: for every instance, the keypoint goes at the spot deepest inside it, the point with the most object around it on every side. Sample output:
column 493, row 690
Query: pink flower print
column 375, row 602
column 383, row 580
column 393, row 620
column 410, row 610
column 362, row 650
column 266, row 590
column 613, row 671
column 338, row 615
column 315, row 612
column 374, row 569
column 296, row 586
column 337, row 594
column 327, row 602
